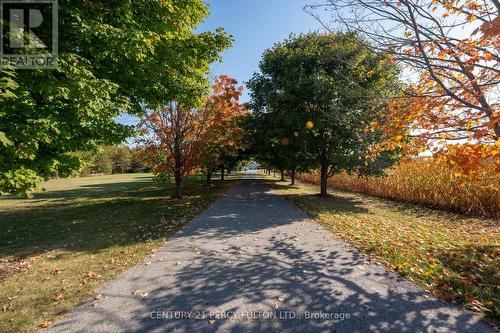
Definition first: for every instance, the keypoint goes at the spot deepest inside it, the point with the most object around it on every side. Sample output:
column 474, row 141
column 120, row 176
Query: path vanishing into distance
column 252, row 262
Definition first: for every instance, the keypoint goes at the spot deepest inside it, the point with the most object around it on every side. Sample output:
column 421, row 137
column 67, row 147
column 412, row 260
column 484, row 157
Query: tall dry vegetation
column 428, row 182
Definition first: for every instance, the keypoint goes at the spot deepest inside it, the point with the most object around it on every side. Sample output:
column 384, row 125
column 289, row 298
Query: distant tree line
column 112, row 160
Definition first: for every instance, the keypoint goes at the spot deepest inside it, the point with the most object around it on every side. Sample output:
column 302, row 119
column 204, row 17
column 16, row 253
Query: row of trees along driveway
column 312, row 100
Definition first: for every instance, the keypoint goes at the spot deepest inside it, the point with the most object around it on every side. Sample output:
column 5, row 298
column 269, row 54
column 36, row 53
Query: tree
column 221, row 150
column 114, row 58
column 172, row 139
column 138, row 162
column 102, row 163
column 450, row 49
column 107, row 160
column 276, row 143
column 319, row 82
column 121, row 157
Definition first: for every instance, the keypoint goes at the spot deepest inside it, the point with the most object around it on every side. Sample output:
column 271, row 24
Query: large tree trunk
column 324, row 179
column 282, row 175
column 209, row 178
column 292, row 176
column 222, row 173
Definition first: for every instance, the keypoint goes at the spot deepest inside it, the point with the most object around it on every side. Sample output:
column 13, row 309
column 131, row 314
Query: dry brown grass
column 426, row 182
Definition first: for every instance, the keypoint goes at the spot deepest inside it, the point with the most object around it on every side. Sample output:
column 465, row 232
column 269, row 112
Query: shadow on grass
column 97, row 216
column 471, row 268
column 310, row 277
column 420, row 210
column 83, row 191
column 318, row 205
column 467, row 273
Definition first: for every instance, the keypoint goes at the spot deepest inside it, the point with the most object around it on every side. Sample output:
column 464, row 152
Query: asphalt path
column 252, row 262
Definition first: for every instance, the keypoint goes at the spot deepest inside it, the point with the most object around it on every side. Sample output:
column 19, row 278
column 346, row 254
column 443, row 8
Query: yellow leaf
column 46, row 323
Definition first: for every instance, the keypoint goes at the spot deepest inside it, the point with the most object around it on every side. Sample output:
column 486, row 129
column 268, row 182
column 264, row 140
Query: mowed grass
column 453, row 256
column 56, row 248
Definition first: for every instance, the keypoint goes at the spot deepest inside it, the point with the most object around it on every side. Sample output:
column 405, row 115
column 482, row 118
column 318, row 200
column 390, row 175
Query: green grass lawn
column 453, row 256
column 56, row 248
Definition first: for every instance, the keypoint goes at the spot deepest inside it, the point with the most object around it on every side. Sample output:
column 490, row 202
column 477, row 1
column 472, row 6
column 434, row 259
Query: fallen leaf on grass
column 46, row 323
column 93, row 275
column 7, row 307
column 58, row 297
column 478, row 306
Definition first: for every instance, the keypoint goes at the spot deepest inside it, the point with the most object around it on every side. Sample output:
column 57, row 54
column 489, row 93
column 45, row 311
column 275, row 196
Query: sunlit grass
column 430, row 183
column 453, row 256
column 56, row 248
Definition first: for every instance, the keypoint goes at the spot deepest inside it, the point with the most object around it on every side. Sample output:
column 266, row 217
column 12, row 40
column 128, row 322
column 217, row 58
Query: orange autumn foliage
column 179, row 141
column 171, row 140
column 225, row 135
column 454, row 108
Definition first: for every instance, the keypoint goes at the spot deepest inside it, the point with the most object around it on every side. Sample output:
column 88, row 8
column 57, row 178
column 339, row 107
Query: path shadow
column 209, row 269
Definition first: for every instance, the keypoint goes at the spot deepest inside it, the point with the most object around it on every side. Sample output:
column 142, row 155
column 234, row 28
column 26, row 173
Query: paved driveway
column 254, row 263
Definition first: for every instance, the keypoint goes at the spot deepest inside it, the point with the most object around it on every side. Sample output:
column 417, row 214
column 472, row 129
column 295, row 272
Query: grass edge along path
column 454, row 257
column 57, row 248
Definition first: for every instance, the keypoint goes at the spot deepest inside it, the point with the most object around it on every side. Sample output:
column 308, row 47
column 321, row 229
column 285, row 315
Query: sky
column 256, row 25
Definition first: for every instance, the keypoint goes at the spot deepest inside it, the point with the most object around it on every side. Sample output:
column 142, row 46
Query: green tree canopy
column 326, row 88
column 114, row 57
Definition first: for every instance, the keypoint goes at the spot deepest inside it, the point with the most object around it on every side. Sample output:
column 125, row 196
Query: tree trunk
column 274, row 173
column 324, row 179
column 292, row 176
column 178, row 188
column 209, row 178
column 282, row 176
column 222, row 173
